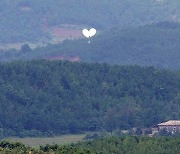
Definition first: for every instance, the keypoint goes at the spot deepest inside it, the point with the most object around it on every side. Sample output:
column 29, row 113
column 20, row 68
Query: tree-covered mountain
column 24, row 20
column 43, row 97
column 153, row 45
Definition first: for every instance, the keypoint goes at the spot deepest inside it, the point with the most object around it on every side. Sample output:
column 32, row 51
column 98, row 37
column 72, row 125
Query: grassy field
column 36, row 142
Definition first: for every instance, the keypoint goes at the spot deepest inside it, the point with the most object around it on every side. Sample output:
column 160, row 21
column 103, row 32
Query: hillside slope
column 41, row 97
column 153, row 45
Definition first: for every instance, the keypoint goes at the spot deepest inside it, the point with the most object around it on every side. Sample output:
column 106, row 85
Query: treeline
column 19, row 148
column 153, row 45
column 41, row 98
column 119, row 145
column 23, row 20
column 134, row 145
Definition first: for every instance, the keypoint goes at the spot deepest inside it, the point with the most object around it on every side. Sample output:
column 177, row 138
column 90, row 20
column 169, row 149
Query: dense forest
column 113, row 87
column 134, row 145
column 42, row 97
column 155, row 45
column 115, row 145
column 24, row 20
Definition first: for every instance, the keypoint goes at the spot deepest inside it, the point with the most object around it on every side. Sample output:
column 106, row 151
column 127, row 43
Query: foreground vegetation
column 116, row 145
column 44, row 98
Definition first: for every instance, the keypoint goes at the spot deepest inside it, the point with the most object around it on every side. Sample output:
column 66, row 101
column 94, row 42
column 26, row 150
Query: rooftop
column 170, row 123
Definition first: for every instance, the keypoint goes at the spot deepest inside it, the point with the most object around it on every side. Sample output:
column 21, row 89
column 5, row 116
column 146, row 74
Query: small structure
column 154, row 130
column 170, row 126
column 124, row 131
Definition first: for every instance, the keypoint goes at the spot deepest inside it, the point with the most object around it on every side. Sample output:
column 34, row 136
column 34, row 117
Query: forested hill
column 153, row 45
column 24, row 20
column 42, row 97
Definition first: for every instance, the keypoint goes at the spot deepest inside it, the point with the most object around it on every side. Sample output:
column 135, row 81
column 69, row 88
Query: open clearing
column 59, row 33
column 36, row 142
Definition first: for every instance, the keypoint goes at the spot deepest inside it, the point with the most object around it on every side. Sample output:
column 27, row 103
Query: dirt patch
column 66, row 31
column 72, row 59
column 61, row 33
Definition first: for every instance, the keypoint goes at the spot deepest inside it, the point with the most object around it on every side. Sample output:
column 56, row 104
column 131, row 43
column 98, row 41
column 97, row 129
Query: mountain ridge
column 150, row 45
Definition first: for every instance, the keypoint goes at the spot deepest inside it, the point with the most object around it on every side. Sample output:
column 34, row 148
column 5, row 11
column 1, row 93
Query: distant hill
column 46, row 98
column 24, row 20
column 150, row 45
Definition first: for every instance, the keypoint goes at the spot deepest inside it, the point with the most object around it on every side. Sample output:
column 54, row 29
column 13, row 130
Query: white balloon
column 89, row 33
column 85, row 33
column 92, row 32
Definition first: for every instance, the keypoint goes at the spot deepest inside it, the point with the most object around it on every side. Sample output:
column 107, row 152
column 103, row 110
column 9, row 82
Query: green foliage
column 66, row 149
column 44, row 98
column 134, row 145
column 118, row 145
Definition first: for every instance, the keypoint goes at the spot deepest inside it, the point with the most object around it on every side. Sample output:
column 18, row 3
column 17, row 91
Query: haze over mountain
column 153, row 45
column 24, row 20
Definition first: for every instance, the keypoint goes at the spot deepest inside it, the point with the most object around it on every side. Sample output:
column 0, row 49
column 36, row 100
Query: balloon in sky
column 89, row 33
